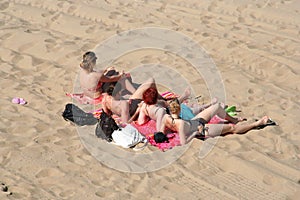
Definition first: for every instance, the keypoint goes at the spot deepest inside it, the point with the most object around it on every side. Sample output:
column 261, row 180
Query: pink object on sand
column 18, row 100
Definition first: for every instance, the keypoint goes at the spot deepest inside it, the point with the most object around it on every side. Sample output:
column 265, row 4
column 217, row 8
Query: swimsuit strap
column 202, row 122
column 173, row 119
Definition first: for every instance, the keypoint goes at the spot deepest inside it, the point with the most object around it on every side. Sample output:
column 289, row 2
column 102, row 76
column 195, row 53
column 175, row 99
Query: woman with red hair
column 127, row 108
column 151, row 109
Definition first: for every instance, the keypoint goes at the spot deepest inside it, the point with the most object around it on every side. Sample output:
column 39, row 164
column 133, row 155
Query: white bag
column 127, row 137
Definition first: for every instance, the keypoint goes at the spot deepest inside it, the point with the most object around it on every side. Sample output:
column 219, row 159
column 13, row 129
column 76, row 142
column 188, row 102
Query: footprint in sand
column 91, row 29
column 4, row 6
column 6, row 36
column 26, row 46
column 56, row 17
column 86, row 23
column 250, row 91
column 36, row 61
column 72, row 9
column 5, row 158
column 16, row 58
column 205, row 34
column 114, row 15
column 2, row 23
column 76, row 160
column 67, row 194
column 51, row 172
column 52, row 45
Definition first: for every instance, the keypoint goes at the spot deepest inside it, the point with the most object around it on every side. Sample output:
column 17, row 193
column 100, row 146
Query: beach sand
column 255, row 46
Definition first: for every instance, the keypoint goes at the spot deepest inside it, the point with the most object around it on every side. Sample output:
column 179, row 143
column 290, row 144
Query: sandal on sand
column 231, row 110
column 18, row 100
column 270, row 122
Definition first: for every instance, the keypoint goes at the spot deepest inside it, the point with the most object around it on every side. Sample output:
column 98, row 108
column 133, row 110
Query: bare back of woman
column 90, row 83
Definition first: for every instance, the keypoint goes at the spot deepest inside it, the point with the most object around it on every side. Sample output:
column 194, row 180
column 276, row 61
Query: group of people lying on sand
column 144, row 103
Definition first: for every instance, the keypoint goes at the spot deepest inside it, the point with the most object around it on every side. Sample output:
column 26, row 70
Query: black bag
column 160, row 137
column 75, row 114
column 106, row 126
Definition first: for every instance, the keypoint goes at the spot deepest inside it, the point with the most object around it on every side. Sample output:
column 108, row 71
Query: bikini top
column 147, row 112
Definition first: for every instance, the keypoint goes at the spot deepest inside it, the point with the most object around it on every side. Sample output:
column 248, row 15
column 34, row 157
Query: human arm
column 113, row 78
column 163, row 123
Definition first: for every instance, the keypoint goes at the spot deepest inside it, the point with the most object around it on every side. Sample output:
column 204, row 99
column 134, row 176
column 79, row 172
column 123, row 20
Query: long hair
column 88, row 61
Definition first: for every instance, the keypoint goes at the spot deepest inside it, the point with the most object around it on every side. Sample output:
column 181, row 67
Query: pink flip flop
column 18, row 100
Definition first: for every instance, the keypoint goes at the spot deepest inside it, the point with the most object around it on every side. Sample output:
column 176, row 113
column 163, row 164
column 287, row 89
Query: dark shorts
column 133, row 105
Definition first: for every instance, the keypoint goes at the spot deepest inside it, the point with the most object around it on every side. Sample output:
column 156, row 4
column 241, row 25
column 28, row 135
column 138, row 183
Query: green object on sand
column 231, row 110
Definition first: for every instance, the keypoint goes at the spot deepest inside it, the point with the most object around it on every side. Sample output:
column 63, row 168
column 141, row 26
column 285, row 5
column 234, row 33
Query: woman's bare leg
column 196, row 108
column 221, row 129
column 126, row 84
column 216, row 109
column 138, row 94
column 159, row 117
column 186, row 94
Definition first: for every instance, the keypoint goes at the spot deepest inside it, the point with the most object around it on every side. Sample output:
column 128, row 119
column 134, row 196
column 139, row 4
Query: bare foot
column 241, row 119
column 186, row 94
column 262, row 121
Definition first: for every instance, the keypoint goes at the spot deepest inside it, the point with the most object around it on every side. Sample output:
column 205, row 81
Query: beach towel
column 149, row 127
column 148, row 130
column 169, row 95
column 83, row 99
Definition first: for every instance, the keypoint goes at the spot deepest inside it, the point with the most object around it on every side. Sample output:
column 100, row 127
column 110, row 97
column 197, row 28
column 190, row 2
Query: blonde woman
column 188, row 129
column 91, row 81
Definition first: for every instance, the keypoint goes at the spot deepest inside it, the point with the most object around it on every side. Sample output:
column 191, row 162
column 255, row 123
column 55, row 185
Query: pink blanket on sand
column 83, row 99
column 148, row 130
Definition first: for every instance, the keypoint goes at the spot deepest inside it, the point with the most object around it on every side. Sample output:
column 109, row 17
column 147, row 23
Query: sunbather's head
column 174, row 106
column 88, row 61
column 150, row 96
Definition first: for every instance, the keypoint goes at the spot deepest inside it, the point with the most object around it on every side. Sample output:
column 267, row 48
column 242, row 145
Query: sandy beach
column 255, row 46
